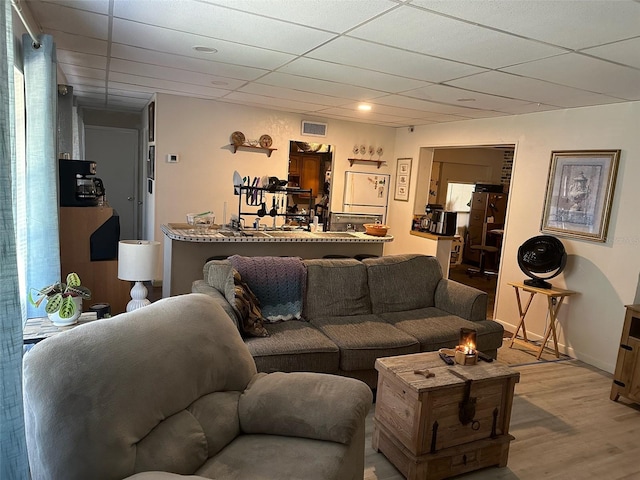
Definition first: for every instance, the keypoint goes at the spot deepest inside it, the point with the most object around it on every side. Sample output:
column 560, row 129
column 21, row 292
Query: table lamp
column 137, row 263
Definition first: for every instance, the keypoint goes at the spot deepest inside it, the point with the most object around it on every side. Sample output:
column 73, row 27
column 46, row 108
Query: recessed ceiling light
column 364, row 107
column 219, row 82
column 202, row 49
column 466, row 100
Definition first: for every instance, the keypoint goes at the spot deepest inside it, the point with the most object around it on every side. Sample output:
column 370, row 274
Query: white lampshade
column 137, row 260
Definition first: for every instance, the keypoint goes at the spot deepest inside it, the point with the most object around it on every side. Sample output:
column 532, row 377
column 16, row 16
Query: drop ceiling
column 416, row 62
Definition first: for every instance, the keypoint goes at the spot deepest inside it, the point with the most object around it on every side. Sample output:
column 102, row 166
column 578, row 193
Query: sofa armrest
column 303, row 404
column 201, row 286
column 462, row 300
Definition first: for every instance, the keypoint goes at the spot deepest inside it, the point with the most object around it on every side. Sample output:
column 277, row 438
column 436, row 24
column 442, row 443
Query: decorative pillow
column 278, row 283
column 252, row 322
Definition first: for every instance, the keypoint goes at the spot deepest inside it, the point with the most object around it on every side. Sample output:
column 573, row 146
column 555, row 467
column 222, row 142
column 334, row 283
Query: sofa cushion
column 336, row 287
column 278, row 282
column 435, row 328
column 363, row 338
column 402, row 282
column 294, row 346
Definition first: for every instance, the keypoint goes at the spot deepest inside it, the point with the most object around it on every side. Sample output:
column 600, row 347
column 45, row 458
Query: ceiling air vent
column 314, row 129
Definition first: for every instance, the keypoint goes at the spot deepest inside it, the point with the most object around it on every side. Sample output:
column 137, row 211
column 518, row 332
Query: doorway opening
column 474, row 182
column 310, row 166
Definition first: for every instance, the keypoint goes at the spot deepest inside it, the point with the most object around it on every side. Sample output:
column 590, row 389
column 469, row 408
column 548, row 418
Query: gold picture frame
column 579, row 193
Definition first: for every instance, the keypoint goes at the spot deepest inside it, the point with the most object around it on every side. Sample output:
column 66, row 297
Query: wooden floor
column 565, row 428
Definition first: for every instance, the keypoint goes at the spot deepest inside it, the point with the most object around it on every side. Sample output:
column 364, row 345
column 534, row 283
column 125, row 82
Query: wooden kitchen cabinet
column 304, row 172
column 626, row 379
column 487, row 213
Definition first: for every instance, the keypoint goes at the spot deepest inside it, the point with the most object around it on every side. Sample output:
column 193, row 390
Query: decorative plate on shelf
column 363, row 149
column 356, row 149
column 265, row 141
column 371, row 149
column 379, row 151
column 237, row 138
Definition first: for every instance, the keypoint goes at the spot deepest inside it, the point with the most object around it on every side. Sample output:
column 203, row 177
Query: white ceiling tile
column 359, row 53
column 353, row 113
column 89, row 89
column 626, row 52
column 308, row 67
column 166, row 85
column 79, row 82
column 579, row 71
column 81, row 44
column 319, row 86
column 126, row 52
column 222, row 23
column 568, row 23
column 457, row 96
column 95, row 6
column 530, row 89
column 173, row 74
column 414, row 103
column 290, row 105
column 389, row 109
column 81, row 59
column 180, row 43
column 86, row 72
column 443, row 37
column 60, row 18
column 291, row 94
column 314, row 13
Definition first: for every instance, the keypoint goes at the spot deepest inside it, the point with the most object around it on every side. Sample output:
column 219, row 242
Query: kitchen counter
column 186, row 250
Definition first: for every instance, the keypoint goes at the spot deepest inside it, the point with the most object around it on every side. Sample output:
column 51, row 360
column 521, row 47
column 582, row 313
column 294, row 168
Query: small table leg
column 522, row 315
column 553, row 315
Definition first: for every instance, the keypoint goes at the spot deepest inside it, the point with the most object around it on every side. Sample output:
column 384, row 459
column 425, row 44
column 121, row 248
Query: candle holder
column 466, row 353
column 465, row 356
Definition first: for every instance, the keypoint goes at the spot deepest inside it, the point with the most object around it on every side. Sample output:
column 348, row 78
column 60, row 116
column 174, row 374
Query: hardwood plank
column 564, row 424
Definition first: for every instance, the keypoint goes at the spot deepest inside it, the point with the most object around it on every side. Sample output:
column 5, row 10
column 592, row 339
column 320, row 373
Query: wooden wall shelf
column 364, row 160
column 251, row 147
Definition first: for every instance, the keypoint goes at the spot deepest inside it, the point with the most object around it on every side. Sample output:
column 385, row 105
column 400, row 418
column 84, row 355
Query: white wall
column 199, row 131
column 604, row 274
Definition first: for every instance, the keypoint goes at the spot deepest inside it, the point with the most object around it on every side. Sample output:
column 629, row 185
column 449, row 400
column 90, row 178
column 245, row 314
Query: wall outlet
column 173, row 158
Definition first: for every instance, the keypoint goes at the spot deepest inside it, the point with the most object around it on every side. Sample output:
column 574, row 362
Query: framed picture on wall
column 152, row 121
column 403, row 177
column 579, row 193
column 151, row 162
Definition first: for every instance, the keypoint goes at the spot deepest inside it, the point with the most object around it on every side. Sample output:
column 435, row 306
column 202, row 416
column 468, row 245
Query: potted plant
column 64, row 300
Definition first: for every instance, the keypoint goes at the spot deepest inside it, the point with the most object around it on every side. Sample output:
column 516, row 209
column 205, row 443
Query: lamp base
column 138, row 297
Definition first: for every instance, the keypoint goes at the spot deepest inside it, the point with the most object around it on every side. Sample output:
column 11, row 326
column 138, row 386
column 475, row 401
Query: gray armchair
column 170, row 390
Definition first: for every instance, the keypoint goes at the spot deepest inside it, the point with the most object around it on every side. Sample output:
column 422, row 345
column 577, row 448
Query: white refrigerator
column 366, row 193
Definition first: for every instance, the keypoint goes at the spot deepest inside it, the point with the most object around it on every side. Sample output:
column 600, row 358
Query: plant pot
column 65, row 322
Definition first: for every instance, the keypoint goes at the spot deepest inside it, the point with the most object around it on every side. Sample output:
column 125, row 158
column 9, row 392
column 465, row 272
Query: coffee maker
column 78, row 187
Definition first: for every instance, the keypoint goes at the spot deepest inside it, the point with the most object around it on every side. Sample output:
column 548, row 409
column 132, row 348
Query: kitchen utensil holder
column 277, row 195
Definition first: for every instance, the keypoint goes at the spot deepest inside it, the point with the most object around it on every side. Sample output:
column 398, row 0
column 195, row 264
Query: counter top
column 179, row 232
column 432, row 236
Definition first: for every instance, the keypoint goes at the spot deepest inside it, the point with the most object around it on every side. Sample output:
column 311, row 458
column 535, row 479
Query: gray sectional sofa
column 357, row 311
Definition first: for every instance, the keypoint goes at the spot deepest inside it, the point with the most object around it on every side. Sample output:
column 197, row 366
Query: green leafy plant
column 59, row 296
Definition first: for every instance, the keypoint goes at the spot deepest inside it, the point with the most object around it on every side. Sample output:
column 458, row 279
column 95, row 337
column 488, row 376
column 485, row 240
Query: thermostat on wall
column 173, row 158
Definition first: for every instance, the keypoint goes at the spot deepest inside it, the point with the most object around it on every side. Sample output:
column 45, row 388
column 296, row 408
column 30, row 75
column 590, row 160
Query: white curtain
column 42, row 238
column 13, row 450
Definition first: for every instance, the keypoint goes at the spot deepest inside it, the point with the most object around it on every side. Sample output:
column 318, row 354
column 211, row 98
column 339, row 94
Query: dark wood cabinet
column 487, row 214
column 626, row 379
column 305, row 172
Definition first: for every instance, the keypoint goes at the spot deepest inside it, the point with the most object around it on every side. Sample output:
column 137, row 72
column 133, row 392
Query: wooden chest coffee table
column 436, row 427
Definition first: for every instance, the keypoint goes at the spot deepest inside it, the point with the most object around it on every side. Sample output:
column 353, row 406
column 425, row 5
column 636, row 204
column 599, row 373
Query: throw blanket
column 278, row 282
